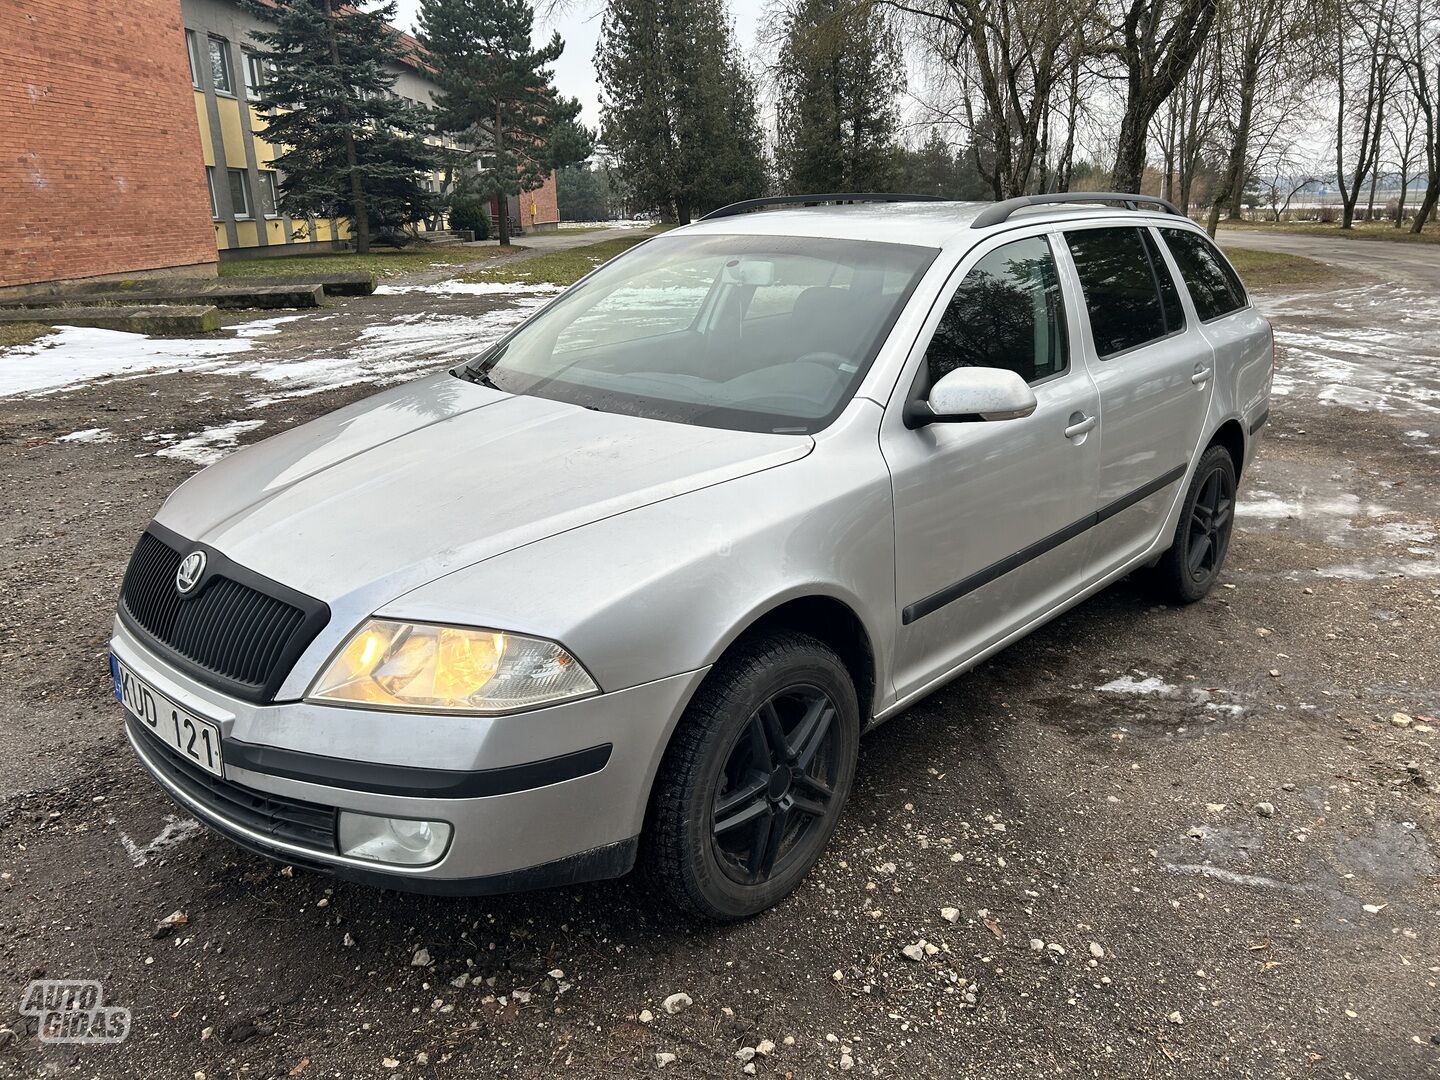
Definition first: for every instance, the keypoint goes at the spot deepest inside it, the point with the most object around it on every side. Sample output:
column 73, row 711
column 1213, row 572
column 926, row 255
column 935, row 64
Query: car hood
column 392, row 492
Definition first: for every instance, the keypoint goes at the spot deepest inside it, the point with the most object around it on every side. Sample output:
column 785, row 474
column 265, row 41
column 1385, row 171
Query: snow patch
column 1128, row 684
column 77, row 354
column 209, row 446
column 456, row 287
column 89, row 435
column 265, row 327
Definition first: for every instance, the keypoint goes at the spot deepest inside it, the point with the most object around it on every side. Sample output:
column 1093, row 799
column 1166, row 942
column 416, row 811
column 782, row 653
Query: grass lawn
column 380, row 263
column 557, row 267
column 1271, row 269
column 1361, row 230
column 21, row 333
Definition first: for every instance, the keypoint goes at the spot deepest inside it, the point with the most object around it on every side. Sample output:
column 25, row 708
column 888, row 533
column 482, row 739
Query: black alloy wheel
column 1188, row 571
column 777, row 784
column 1211, row 519
column 754, row 778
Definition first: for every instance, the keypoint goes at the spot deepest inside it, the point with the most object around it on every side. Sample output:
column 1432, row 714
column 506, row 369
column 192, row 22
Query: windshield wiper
column 475, row 375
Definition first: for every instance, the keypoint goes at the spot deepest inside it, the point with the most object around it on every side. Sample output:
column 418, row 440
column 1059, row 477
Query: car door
column 1238, row 335
column 1154, row 371
column 989, row 515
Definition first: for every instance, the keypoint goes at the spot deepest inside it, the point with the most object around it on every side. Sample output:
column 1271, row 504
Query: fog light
column 403, row 841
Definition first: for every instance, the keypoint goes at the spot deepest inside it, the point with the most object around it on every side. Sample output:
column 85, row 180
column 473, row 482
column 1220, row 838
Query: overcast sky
column 579, row 26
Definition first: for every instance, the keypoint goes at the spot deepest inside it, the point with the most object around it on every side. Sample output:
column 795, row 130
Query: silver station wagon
column 630, row 585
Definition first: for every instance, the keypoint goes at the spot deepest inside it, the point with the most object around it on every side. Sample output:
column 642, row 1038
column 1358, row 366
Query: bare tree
column 1267, row 64
column 1420, row 52
column 1005, row 63
column 1188, row 124
column 1403, row 129
column 1158, row 42
column 1280, row 174
column 1364, row 76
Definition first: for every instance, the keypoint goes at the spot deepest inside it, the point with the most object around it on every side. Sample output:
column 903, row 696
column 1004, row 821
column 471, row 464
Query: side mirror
column 973, row 393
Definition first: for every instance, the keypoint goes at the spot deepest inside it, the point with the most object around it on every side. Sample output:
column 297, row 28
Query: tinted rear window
column 1212, row 282
column 1121, row 292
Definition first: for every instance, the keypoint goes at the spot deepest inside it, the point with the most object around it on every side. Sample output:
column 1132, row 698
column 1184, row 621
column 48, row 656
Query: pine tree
column 497, row 92
column 936, row 169
column 350, row 147
column 679, row 107
column 838, row 75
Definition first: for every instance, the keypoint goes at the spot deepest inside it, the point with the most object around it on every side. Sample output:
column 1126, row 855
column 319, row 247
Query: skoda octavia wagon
column 630, row 585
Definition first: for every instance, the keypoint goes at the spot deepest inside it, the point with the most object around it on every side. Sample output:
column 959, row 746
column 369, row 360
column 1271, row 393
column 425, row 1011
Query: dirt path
column 1086, row 802
column 1395, row 261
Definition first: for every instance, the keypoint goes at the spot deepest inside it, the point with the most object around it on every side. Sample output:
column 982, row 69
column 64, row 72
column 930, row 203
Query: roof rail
column 814, row 200
column 1001, row 211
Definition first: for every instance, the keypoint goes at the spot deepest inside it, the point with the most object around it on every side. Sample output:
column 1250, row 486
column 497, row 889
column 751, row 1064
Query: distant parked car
column 633, row 581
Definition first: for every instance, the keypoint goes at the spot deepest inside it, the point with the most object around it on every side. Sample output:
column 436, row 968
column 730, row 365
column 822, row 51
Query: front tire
column 1188, row 571
column 755, row 777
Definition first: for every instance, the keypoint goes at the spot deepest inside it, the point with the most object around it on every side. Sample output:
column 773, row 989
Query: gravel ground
column 1143, row 842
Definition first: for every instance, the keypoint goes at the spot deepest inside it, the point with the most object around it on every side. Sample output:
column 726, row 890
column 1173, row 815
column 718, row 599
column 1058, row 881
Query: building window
column 269, row 195
column 220, row 66
column 192, row 50
column 210, row 183
column 257, row 74
column 239, row 193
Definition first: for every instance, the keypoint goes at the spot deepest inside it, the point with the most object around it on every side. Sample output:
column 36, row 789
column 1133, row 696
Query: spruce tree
column 350, row 147
column 838, row 75
column 679, row 112
column 497, row 93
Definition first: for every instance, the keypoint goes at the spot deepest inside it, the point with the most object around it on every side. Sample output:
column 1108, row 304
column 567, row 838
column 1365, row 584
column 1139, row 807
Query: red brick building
column 100, row 166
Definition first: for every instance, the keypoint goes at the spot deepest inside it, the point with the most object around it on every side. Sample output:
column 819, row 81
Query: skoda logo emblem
column 192, row 569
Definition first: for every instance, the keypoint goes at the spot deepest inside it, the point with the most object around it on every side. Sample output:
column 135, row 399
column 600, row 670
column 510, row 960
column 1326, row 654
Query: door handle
column 1201, row 376
column 1079, row 425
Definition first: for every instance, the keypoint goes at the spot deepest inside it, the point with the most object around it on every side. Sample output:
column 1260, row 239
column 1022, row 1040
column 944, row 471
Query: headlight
column 427, row 668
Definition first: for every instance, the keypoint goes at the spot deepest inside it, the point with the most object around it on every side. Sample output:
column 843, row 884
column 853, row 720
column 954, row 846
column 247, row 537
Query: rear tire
column 755, row 777
column 1188, row 571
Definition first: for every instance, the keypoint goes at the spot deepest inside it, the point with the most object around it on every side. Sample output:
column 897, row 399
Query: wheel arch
column 824, row 615
column 1231, row 436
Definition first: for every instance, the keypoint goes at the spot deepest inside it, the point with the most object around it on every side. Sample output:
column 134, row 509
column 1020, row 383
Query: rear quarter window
column 1213, row 283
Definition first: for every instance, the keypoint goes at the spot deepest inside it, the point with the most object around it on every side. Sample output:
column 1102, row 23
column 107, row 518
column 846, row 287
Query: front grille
column 236, row 630
column 307, row 824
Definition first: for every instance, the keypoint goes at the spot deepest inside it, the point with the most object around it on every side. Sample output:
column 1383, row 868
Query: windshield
column 754, row 333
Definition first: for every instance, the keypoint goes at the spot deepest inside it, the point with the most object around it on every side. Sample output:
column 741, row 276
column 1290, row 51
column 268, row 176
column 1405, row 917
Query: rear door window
column 1007, row 313
column 1122, row 289
column 1213, row 284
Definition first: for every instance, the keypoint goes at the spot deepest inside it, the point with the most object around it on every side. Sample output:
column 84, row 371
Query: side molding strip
column 413, row 781
column 936, row 600
column 1259, row 421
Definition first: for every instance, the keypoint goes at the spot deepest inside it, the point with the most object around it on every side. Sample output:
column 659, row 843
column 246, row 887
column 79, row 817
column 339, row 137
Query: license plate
column 192, row 738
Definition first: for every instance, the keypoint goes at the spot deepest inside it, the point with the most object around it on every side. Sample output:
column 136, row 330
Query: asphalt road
column 1176, row 843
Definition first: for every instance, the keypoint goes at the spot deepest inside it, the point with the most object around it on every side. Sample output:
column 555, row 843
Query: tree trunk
column 1427, row 204
column 1130, row 150
column 360, row 218
column 502, row 200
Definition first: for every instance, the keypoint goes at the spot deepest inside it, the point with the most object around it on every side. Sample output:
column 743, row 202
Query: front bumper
column 547, row 797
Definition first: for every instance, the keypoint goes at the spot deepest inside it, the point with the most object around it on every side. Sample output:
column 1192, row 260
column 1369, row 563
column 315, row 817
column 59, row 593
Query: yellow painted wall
column 232, row 144
column 207, row 148
column 232, row 134
column 264, row 152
